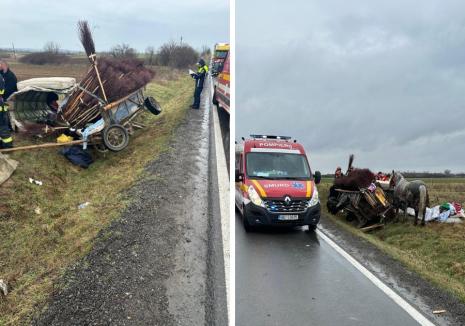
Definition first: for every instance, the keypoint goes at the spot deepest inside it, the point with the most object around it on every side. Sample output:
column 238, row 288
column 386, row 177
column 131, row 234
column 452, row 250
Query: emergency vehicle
column 274, row 183
column 219, row 57
column 221, row 87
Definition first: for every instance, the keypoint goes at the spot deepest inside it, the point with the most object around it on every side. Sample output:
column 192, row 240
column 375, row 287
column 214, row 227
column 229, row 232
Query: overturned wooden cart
column 360, row 196
column 107, row 127
column 100, row 109
column 367, row 205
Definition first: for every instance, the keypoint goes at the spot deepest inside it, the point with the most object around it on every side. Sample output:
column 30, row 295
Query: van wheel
column 245, row 222
column 247, row 226
column 311, row 227
column 214, row 100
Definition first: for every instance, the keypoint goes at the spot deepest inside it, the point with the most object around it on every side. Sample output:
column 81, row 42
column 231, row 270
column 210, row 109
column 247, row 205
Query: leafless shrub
column 150, row 56
column 123, row 51
column 52, row 48
column 43, row 58
column 206, row 51
column 176, row 55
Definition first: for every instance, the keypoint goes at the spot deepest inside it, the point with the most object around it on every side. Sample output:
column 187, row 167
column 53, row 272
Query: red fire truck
column 274, row 183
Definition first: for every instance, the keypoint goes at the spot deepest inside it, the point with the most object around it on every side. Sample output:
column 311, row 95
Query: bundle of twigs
column 356, row 179
column 109, row 79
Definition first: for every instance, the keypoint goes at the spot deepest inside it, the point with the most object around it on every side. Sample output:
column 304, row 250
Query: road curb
column 223, row 187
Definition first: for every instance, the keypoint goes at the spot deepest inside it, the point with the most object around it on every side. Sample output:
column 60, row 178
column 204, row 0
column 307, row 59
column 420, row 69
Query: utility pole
column 181, row 39
column 14, row 51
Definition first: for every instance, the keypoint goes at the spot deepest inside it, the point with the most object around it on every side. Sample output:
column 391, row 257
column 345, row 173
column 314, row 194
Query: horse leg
column 405, row 212
column 423, row 217
column 422, row 204
column 416, row 217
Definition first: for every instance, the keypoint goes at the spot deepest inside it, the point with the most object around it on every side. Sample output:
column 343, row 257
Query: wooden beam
column 372, row 227
column 46, row 145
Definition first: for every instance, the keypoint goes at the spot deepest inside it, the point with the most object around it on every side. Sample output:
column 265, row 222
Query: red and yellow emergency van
column 222, row 87
column 274, row 183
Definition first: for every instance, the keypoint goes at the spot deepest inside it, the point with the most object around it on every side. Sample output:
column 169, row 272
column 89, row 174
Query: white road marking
column 223, row 188
column 415, row 314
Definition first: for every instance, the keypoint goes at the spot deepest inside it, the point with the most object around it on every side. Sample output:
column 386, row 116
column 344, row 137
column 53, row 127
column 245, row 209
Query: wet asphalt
column 292, row 277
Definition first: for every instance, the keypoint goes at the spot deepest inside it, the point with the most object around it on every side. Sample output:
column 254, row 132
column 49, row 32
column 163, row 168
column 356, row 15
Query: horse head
column 395, row 178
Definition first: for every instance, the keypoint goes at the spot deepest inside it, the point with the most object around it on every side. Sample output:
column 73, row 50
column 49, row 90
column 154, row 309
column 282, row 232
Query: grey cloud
column 383, row 80
column 140, row 23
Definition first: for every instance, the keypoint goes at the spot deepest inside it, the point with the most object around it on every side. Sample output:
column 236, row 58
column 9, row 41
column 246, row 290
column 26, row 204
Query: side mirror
column 317, row 177
column 239, row 177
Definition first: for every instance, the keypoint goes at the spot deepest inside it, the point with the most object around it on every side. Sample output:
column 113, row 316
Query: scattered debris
column 7, row 167
column 78, row 156
column 84, row 205
column 64, row 139
column 445, row 213
column 437, row 312
column 4, row 287
column 38, row 211
column 37, row 182
column 372, row 227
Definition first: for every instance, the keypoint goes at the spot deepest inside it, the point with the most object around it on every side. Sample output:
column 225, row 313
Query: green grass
column 436, row 251
column 35, row 249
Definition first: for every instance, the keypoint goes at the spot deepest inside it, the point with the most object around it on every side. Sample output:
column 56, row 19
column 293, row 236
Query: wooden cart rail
column 46, row 145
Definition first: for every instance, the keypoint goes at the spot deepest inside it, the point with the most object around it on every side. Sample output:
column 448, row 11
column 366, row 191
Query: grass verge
column 436, row 252
column 42, row 231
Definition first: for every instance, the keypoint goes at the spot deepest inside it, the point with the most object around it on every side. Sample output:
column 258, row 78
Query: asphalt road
column 292, row 277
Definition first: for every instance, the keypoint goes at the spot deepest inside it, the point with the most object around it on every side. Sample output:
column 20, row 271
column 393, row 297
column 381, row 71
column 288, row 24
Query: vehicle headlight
column 255, row 197
column 315, row 199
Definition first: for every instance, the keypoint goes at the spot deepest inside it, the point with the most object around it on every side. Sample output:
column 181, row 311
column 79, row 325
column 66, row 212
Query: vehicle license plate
column 288, row 217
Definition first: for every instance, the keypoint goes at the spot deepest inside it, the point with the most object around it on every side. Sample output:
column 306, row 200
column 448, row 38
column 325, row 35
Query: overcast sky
column 384, row 80
column 139, row 23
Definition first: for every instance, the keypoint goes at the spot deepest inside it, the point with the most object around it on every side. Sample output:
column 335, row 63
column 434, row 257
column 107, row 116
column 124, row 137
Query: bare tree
column 177, row 55
column 52, row 48
column 150, row 55
column 123, row 50
column 206, row 51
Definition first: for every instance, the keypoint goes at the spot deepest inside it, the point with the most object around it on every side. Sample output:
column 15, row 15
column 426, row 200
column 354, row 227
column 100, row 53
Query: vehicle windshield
column 277, row 166
column 221, row 54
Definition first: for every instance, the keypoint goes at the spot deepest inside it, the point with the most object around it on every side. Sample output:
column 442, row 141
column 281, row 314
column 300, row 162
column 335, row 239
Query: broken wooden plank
column 372, row 227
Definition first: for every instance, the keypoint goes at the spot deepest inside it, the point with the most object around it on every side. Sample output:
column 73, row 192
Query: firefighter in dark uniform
column 6, row 141
column 11, row 82
column 199, row 80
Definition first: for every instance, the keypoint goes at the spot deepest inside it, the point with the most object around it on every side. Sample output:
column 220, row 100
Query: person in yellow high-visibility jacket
column 6, row 140
column 199, row 80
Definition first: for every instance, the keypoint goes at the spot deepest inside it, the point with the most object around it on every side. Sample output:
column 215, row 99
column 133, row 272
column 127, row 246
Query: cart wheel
column 152, row 105
column 115, row 137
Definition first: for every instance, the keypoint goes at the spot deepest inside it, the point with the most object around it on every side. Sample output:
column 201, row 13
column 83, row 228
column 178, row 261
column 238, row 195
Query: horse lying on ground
column 410, row 194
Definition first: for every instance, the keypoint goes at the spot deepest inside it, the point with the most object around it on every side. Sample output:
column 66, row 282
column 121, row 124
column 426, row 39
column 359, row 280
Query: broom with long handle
column 351, row 161
column 89, row 46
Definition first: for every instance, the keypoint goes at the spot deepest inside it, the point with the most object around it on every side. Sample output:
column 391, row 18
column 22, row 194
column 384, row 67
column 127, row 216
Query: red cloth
column 457, row 207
